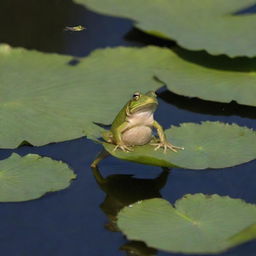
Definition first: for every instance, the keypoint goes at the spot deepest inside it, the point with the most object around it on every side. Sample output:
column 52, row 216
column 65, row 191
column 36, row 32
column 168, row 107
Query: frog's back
column 120, row 118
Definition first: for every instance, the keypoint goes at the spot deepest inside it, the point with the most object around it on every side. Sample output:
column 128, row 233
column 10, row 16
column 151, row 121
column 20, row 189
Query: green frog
column 133, row 126
column 134, row 123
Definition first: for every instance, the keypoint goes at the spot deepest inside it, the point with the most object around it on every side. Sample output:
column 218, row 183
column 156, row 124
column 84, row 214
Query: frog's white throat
column 144, row 117
column 139, row 130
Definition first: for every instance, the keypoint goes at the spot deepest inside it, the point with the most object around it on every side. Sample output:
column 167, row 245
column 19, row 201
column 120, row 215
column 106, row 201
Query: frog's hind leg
column 102, row 155
column 107, row 136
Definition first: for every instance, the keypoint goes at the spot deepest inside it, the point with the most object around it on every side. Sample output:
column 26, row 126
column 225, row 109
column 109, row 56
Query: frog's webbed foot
column 123, row 147
column 166, row 145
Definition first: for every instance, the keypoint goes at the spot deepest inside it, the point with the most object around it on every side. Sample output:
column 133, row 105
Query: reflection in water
column 136, row 248
column 122, row 190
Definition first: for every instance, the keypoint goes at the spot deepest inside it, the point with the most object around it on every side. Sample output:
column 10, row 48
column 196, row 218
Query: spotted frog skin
column 134, row 124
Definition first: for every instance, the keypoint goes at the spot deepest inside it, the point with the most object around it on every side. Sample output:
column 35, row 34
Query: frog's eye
column 136, row 96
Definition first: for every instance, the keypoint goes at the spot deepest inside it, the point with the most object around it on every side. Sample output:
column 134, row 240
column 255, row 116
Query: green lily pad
column 30, row 177
column 195, row 224
column 219, row 84
column 196, row 25
column 245, row 235
column 207, row 145
column 44, row 99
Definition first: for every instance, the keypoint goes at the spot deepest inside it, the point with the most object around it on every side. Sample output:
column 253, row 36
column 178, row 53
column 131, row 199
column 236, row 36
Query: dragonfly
column 75, row 28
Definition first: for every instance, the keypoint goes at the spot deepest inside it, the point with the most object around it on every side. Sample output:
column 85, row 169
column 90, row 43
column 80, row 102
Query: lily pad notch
column 196, row 224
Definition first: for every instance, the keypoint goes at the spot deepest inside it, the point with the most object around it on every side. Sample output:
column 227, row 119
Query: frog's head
column 141, row 102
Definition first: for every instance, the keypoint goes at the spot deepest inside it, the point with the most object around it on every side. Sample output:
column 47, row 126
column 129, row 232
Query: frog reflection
column 136, row 248
column 122, row 190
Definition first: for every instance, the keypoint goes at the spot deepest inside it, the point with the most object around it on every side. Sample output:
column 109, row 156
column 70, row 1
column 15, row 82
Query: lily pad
column 245, row 235
column 44, row 99
column 195, row 224
column 207, row 145
column 216, row 79
column 211, row 25
column 30, row 177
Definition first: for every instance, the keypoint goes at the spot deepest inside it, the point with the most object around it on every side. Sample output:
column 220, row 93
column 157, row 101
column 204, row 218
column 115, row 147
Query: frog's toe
column 157, row 146
column 166, row 146
column 171, row 147
column 154, row 144
column 127, row 149
column 115, row 148
column 123, row 148
column 175, row 147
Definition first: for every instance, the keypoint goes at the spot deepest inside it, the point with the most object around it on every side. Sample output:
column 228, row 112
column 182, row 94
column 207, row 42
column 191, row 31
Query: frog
column 133, row 125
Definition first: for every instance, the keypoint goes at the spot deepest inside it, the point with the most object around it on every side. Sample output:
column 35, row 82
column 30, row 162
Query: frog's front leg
column 117, row 136
column 163, row 142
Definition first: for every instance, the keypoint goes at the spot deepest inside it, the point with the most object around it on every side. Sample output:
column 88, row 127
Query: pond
column 81, row 219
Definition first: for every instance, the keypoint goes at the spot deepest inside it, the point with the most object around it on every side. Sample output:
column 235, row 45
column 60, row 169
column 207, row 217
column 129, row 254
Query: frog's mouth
column 150, row 107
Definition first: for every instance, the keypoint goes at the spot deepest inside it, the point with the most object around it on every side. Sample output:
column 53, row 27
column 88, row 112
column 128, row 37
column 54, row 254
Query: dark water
column 77, row 221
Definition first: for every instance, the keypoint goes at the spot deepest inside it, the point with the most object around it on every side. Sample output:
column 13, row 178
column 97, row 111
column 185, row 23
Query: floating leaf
column 44, row 99
column 207, row 145
column 196, row 224
column 245, row 235
column 30, row 177
column 210, row 78
column 210, row 25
